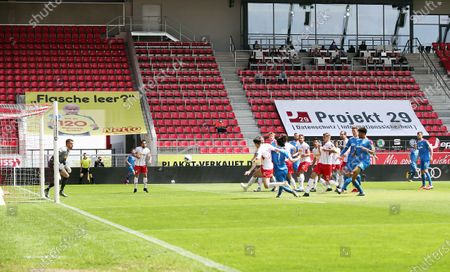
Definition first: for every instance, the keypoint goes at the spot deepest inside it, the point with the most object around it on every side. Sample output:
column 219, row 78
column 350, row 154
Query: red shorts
column 140, row 169
column 303, row 167
column 336, row 167
column 325, row 170
column 343, row 164
column 267, row 173
column 289, row 167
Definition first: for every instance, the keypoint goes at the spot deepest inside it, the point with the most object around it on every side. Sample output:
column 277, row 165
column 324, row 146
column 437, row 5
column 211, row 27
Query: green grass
column 391, row 229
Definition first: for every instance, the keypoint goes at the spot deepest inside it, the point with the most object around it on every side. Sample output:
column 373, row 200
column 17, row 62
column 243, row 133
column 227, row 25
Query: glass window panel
column 302, row 34
column 390, row 20
column 424, row 19
column 445, row 19
column 427, row 34
column 260, row 18
column 281, row 18
column 370, row 19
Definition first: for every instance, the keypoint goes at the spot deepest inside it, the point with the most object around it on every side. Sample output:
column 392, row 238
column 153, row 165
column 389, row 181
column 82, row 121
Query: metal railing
column 416, row 44
column 161, row 24
column 306, row 41
column 151, row 136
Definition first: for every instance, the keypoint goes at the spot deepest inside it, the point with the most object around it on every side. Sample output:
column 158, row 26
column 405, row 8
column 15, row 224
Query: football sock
column 311, row 184
column 301, row 179
column 347, row 181
column 429, row 178
column 145, row 183
column 358, row 186
column 423, row 180
column 251, row 181
column 284, row 188
column 259, row 182
column 315, row 182
column 63, row 183
column 135, row 182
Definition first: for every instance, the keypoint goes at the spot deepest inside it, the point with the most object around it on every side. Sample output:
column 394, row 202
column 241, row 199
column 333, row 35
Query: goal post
column 23, row 157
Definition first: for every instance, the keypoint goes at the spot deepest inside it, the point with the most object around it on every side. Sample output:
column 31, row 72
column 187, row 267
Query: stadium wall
column 63, row 13
column 233, row 174
column 428, row 7
column 213, row 19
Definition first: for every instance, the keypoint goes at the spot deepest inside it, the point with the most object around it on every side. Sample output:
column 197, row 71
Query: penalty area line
column 176, row 249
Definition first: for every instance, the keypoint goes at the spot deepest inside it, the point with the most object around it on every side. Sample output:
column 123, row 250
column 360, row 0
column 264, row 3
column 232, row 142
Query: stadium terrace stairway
column 432, row 90
column 236, row 93
column 187, row 98
column 335, row 84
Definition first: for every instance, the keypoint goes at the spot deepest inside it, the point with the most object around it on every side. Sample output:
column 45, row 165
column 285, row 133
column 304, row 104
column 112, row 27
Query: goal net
column 22, row 152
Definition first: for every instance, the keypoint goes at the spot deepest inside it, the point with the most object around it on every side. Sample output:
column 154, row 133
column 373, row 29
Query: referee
column 85, row 167
column 64, row 169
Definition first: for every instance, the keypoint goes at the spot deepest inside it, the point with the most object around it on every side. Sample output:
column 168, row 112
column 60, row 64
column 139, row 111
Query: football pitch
column 218, row 227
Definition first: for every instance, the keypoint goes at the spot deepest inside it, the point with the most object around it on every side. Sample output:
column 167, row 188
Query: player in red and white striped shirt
column 324, row 168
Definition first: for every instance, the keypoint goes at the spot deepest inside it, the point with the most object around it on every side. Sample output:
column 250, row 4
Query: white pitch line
column 178, row 250
column 2, row 201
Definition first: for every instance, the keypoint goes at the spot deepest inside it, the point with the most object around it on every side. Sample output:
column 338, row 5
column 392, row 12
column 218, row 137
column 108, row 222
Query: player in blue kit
column 360, row 160
column 280, row 167
column 131, row 162
column 425, row 156
column 413, row 155
column 348, row 152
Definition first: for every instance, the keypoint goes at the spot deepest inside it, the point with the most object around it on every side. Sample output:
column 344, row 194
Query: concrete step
column 229, row 77
column 237, row 106
column 420, row 70
column 233, row 85
column 441, row 106
column 443, row 113
column 243, row 113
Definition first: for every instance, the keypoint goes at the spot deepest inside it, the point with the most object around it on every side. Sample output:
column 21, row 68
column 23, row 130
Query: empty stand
column 443, row 52
column 339, row 84
column 60, row 58
column 187, row 97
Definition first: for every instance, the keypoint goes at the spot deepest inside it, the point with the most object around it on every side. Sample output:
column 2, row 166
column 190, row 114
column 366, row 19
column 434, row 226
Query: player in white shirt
column 264, row 154
column 316, row 155
column 305, row 161
column 257, row 167
column 143, row 159
column 324, row 168
column 292, row 150
column 337, row 172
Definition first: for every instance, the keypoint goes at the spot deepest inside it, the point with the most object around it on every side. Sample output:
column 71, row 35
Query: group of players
column 281, row 165
column 137, row 163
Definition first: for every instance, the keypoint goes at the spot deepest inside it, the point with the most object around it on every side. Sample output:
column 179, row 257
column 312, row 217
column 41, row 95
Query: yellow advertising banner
column 170, row 160
column 92, row 113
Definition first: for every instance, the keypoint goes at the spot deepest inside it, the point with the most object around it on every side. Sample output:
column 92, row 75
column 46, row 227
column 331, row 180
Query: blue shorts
column 280, row 175
column 352, row 164
column 424, row 165
column 295, row 165
column 130, row 169
column 363, row 165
